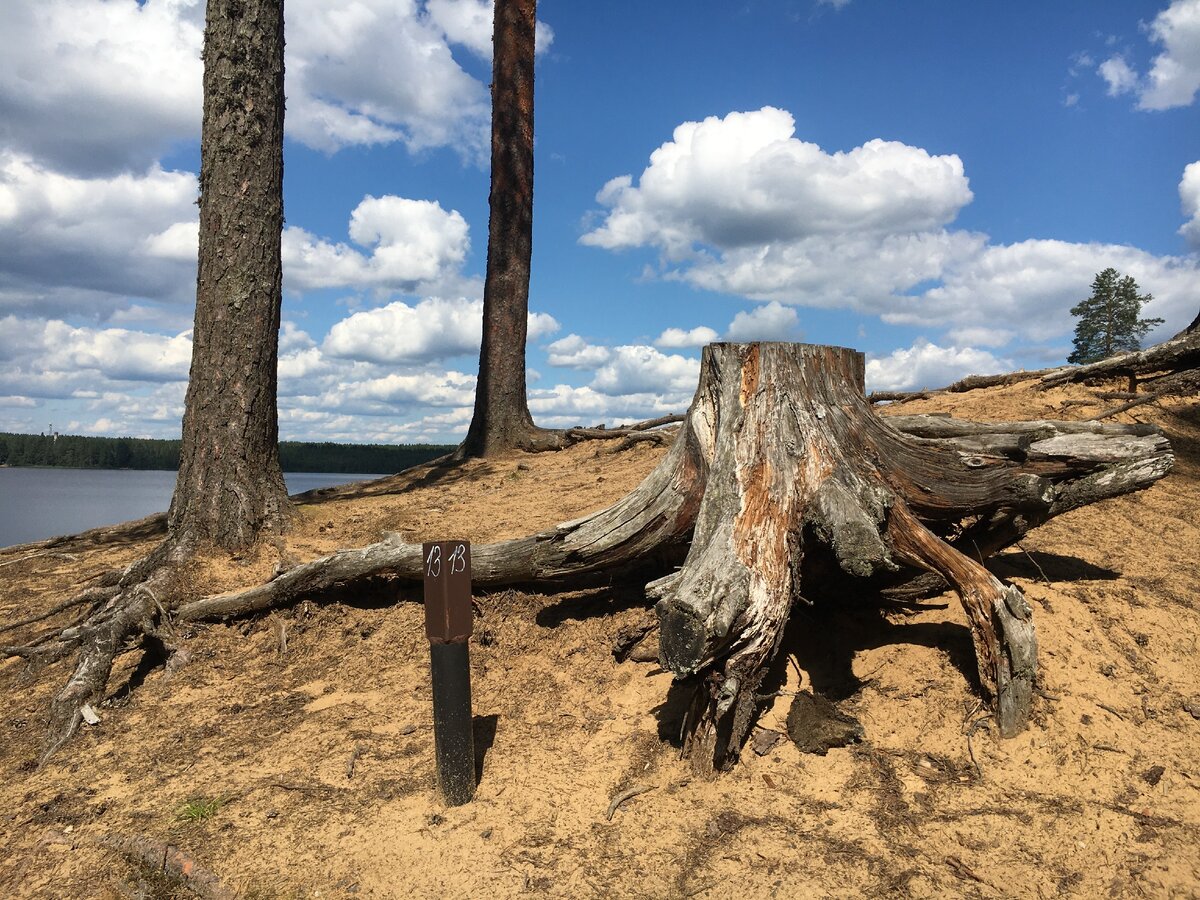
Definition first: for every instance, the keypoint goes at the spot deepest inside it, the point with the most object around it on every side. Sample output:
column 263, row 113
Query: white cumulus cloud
column 414, row 245
column 739, row 205
column 638, row 369
column 928, row 365
column 746, row 181
column 1029, row 287
column 1174, row 75
column 434, row 328
column 676, row 338
column 1189, row 197
column 376, row 72
column 573, row 352
column 99, row 86
column 83, row 245
column 1118, row 75
column 91, row 87
column 770, row 322
column 49, row 358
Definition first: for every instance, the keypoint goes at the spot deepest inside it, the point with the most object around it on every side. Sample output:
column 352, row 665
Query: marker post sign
column 448, row 623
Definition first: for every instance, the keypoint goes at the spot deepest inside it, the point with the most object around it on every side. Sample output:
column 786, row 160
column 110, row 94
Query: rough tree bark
column 230, row 490
column 782, row 472
column 230, row 487
column 501, row 420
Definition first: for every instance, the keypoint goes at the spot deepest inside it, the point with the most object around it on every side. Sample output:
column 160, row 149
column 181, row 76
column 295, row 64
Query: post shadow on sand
column 483, row 734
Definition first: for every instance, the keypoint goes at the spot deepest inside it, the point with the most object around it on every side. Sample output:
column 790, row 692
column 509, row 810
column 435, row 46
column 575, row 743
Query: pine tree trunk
column 501, row 420
column 230, row 487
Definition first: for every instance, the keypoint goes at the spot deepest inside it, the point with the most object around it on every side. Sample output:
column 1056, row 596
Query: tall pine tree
column 1109, row 319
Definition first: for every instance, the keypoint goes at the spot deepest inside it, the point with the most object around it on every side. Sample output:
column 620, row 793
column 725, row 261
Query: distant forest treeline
column 79, row 452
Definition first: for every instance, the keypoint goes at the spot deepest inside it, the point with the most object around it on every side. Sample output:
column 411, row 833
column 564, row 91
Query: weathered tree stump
column 781, row 471
column 799, row 461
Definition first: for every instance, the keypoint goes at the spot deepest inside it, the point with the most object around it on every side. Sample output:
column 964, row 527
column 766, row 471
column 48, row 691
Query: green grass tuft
column 199, row 808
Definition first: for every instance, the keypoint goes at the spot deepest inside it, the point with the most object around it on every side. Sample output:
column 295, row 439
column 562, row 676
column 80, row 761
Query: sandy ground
column 307, row 772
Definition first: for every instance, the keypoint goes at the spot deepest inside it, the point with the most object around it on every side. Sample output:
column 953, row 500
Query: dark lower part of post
column 452, row 737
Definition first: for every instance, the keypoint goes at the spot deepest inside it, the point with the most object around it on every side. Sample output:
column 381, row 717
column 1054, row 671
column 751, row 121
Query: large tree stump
column 800, row 460
column 781, row 469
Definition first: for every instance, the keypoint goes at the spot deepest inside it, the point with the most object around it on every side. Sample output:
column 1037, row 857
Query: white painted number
column 433, row 563
column 458, row 559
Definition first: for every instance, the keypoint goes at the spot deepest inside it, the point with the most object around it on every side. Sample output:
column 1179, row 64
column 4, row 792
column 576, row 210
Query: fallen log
column 901, row 396
column 779, row 464
column 975, row 382
column 970, row 383
column 1176, row 355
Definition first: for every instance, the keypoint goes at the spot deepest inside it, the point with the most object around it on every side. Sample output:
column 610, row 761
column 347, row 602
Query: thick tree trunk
column 501, row 420
column 779, row 471
column 230, row 487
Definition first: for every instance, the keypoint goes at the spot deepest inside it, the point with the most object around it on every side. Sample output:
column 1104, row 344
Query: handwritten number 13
column 458, row 560
column 433, row 562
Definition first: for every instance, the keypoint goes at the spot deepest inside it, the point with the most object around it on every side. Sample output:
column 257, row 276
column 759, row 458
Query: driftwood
column 975, row 382
column 970, row 383
column 1179, row 354
column 1175, row 384
column 901, row 396
column 781, row 473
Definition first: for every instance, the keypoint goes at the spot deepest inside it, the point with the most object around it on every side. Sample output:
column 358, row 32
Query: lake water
column 42, row 503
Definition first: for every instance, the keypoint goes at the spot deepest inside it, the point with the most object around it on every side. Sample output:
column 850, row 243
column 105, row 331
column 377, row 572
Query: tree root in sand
column 128, row 611
column 159, row 859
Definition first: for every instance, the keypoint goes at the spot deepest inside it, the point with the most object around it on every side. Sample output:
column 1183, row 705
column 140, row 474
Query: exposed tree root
column 1176, row 384
column 629, row 434
column 159, row 858
column 90, row 596
column 132, row 610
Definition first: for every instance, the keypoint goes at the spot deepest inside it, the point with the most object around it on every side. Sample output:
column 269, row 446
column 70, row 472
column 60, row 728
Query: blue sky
column 933, row 184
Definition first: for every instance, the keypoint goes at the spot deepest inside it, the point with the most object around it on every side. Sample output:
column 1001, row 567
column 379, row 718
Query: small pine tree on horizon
column 1109, row 320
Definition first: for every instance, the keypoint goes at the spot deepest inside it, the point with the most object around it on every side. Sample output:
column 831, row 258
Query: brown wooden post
column 448, row 622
